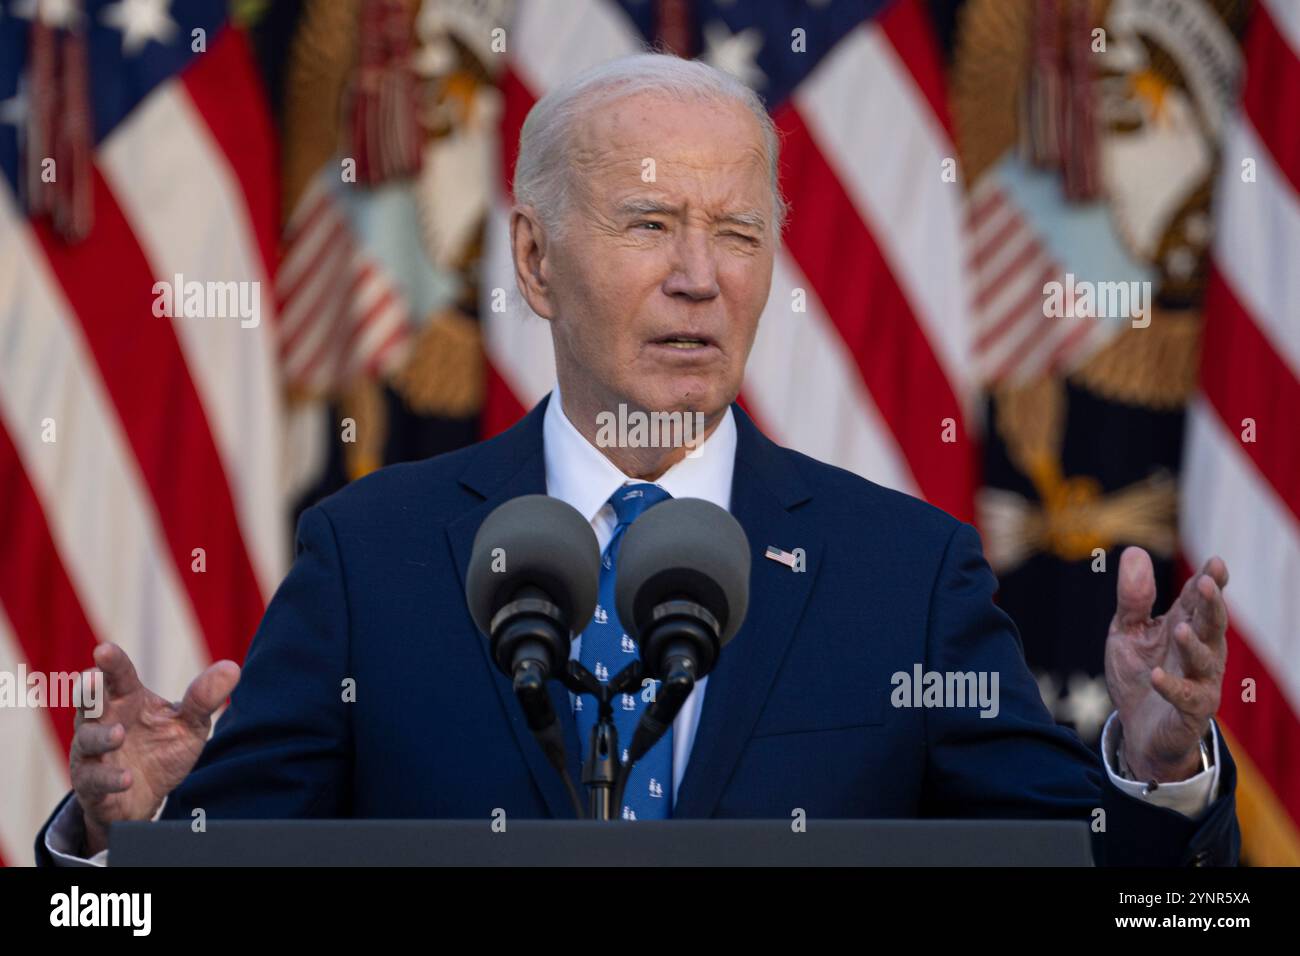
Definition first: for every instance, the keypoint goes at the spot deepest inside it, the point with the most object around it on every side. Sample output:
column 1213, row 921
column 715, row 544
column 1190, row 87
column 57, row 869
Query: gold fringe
column 1030, row 419
column 445, row 375
column 1155, row 367
column 1269, row 837
column 321, row 58
column 989, row 66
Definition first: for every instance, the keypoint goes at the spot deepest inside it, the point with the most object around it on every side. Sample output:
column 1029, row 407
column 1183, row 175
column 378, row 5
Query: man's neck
column 645, row 462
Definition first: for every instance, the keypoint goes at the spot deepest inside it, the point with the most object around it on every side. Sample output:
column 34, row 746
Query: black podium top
column 577, row 843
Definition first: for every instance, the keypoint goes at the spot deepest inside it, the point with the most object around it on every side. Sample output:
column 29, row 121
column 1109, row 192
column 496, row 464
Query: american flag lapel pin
column 782, row 557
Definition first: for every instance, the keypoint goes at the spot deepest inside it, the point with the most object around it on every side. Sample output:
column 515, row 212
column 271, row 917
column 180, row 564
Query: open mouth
column 685, row 341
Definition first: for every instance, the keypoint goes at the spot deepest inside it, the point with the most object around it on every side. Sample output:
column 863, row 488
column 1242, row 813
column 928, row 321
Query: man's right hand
column 126, row 761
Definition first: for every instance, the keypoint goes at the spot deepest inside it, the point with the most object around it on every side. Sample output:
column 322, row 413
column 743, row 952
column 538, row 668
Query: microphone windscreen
column 683, row 547
column 537, row 541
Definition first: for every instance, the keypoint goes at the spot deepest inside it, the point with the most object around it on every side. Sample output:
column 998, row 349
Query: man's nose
column 694, row 268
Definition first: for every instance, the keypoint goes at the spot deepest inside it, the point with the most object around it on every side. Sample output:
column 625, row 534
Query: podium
column 688, row 843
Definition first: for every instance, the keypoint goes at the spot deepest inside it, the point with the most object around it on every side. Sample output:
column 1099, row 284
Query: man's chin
column 687, row 397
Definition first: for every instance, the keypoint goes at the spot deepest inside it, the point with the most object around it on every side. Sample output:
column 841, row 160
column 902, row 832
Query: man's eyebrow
column 645, row 207
column 752, row 219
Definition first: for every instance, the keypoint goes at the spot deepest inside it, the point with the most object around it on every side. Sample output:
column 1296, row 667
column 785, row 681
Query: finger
column 1217, row 568
column 92, row 700
column 79, row 715
column 120, row 677
column 1210, row 614
column 95, row 740
column 209, row 691
column 96, row 781
column 1198, row 659
column 1185, row 603
column 1186, row 696
column 1136, row 589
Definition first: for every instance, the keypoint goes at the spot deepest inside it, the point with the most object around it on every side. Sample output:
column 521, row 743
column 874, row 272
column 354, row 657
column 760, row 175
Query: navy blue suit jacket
column 797, row 712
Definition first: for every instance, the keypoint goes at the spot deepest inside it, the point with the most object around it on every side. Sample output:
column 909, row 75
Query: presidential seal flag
column 1149, row 147
column 1090, row 135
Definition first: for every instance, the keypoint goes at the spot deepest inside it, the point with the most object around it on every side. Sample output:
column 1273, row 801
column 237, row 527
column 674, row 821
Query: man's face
column 655, row 288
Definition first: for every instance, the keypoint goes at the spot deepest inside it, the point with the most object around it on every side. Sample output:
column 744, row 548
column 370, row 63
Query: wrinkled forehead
column 706, row 150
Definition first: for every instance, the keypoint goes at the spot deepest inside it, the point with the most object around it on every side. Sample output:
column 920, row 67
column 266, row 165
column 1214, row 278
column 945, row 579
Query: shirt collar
column 580, row 475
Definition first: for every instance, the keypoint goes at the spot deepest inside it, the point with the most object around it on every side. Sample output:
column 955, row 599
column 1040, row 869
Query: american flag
column 140, row 455
column 1241, row 473
column 861, row 357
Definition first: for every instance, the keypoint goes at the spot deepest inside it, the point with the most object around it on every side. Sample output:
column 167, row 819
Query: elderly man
column 653, row 276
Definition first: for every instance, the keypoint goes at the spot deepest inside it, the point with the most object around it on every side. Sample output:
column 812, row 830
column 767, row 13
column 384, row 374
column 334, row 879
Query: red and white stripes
column 166, row 431
column 1012, row 341
column 341, row 314
column 1241, row 492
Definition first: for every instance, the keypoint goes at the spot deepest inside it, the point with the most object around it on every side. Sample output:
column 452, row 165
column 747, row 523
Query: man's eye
column 647, row 222
column 752, row 240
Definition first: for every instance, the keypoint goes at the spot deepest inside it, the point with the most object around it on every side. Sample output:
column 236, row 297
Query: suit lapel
column 766, row 491
column 507, row 467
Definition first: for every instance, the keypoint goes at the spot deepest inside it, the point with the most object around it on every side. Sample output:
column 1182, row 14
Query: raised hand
column 1165, row 674
column 126, row 761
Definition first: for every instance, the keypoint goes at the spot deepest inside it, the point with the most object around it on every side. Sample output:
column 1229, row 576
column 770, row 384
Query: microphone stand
column 681, row 628
column 682, row 639
column 603, row 771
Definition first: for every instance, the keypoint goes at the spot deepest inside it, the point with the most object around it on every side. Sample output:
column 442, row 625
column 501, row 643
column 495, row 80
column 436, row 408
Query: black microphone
column 682, row 593
column 533, row 573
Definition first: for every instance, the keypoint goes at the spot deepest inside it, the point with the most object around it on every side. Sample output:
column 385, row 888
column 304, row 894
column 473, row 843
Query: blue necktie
column 606, row 650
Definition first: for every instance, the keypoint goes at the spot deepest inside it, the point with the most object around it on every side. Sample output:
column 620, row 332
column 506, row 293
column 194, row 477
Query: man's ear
column 528, row 246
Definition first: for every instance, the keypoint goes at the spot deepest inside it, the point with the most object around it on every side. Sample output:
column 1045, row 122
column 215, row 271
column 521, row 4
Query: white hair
column 542, row 169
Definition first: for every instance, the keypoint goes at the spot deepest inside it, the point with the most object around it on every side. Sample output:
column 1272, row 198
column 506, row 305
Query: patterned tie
column 605, row 651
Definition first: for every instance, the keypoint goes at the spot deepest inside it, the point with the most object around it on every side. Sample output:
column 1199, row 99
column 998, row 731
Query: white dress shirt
column 579, row 474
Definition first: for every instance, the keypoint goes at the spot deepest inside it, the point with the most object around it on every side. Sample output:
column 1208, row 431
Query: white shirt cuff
column 1189, row 797
column 67, row 834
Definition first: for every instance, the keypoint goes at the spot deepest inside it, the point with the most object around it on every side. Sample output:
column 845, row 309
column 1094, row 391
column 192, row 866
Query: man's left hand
column 1165, row 674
